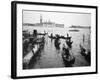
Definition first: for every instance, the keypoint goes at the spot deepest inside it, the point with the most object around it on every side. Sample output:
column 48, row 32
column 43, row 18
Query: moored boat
column 52, row 37
column 86, row 54
column 68, row 59
column 74, row 30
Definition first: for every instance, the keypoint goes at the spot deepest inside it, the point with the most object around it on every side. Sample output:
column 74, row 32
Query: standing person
column 57, row 42
column 67, row 35
column 68, row 41
column 68, row 38
column 51, row 36
column 34, row 33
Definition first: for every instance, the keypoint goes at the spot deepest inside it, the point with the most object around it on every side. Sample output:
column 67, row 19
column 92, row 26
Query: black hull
column 52, row 37
column 86, row 56
column 67, row 61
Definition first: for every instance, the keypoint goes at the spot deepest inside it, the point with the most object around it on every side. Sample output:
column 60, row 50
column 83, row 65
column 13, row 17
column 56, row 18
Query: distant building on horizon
column 82, row 27
column 44, row 24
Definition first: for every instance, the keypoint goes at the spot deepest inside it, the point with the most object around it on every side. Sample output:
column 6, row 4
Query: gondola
column 83, row 51
column 57, row 43
column 63, row 37
column 42, row 34
column 68, row 59
column 69, row 43
column 86, row 54
column 88, row 57
column 52, row 37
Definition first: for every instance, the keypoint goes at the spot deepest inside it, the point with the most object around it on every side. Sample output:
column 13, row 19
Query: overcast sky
column 67, row 19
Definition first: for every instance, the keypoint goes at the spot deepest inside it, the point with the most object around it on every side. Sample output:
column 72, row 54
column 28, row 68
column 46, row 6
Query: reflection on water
column 50, row 57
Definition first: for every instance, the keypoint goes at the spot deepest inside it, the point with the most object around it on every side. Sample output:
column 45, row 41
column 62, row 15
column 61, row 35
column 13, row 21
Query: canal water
column 50, row 57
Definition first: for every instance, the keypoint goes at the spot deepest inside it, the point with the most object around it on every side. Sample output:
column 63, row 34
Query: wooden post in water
column 83, row 38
